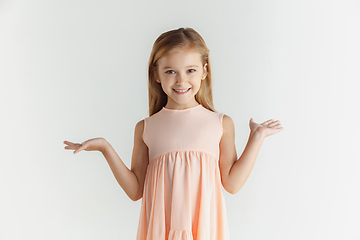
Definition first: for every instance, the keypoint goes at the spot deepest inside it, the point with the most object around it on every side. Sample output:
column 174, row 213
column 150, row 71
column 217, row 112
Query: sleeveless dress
column 182, row 197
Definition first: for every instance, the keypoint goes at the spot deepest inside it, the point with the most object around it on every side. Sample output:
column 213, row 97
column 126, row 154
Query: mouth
column 181, row 91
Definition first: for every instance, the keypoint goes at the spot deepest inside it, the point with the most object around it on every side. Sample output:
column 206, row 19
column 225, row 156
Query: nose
column 181, row 79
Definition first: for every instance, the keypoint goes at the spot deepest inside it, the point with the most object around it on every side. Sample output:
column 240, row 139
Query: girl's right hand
column 94, row 144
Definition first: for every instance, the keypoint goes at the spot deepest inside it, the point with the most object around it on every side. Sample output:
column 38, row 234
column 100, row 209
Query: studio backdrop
column 75, row 70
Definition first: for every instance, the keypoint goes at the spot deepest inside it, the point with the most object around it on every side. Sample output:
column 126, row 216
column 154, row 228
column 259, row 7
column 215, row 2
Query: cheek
column 169, row 79
column 197, row 80
column 166, row 83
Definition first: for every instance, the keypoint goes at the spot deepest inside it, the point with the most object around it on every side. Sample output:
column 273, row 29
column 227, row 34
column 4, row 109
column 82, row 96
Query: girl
column 184, row 152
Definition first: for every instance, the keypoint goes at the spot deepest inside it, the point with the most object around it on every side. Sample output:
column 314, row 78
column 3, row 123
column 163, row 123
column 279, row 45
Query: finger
column 82, row 147
column 78, row 150
column 70, row 143
column 274, row 123
column 268, row 121
column 73, row 146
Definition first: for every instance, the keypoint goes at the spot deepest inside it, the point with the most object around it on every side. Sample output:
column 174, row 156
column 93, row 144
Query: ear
column 204, row 72
column 156, row 76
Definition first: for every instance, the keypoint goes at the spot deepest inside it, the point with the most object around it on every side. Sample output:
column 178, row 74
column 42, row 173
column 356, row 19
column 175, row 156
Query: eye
column 170, row 71
column 191, row 70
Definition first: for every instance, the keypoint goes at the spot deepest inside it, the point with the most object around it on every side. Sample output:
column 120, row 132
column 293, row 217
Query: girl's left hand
column 267, row 128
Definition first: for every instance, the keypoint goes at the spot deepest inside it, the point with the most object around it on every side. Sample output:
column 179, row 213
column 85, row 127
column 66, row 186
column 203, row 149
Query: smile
column 181, row 91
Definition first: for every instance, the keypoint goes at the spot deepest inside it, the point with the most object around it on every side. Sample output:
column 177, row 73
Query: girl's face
column 180, row 75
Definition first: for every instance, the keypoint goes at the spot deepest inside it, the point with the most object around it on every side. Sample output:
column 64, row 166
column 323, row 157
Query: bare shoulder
column 228, row 124
column 139, row 129
column 140, row 125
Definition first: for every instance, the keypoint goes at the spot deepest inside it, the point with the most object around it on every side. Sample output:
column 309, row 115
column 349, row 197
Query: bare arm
column 132, row 181
column 235, row 172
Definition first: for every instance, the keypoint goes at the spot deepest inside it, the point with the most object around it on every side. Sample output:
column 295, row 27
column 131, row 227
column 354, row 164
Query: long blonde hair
column 179, row 38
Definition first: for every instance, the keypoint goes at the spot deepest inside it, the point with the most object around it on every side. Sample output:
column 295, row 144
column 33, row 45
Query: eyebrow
column 185, row 67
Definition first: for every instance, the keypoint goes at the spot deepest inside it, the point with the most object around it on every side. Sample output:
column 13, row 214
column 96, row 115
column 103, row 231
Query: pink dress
column 183, row 198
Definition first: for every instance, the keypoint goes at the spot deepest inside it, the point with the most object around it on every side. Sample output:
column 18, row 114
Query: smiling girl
column 184, row 152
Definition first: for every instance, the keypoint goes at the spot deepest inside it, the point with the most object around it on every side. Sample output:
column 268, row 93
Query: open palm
column 95, row 144
column 267, row 128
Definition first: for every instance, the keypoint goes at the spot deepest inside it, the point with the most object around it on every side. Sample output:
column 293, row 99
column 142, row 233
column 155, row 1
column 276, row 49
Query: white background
column 74, row 70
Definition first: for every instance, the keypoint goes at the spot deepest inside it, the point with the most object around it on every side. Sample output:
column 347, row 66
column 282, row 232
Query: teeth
column 181, row 90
